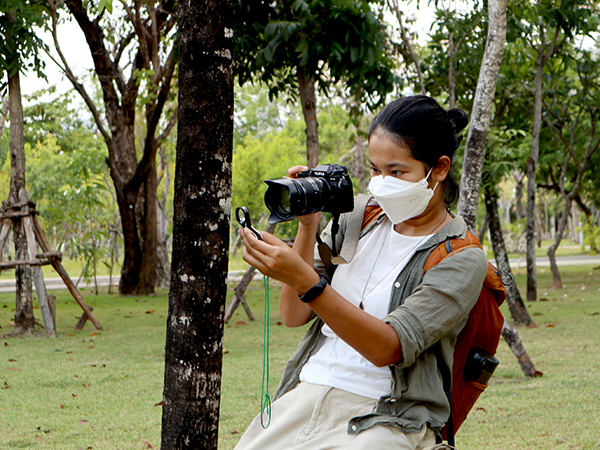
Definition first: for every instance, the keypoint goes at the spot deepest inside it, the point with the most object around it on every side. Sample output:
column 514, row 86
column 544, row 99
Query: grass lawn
column 101, row 389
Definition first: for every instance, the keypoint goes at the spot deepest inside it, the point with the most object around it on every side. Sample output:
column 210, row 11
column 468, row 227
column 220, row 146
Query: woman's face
column 388, row 158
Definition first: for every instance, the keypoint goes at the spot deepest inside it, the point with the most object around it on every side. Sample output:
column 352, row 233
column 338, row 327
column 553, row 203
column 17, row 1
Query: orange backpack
column 479, row 338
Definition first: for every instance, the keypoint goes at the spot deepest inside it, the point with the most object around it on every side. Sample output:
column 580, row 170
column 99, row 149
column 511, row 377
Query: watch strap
column 315, row 291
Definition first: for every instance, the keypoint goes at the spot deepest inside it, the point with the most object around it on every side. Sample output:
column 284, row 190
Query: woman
column 365, row 375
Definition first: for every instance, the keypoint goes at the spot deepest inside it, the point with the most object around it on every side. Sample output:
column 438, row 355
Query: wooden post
column 38, row 278
column 82, row 320
column 45, row 244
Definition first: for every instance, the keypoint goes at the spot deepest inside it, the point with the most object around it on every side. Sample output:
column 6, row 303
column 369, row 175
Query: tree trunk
column 557, row 282
column 516, row 306
column 409, row 46
column 201, row 221
column 309, row 109
column 531, row 181
column 359, row 158
column 451, row 73
column 511, row 337
column 163, row 271
column 134, row 181
column 24, row 319
column 519, row 176
column 482, row 112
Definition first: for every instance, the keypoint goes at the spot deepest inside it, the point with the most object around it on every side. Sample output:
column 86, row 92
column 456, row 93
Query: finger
column 293, row 171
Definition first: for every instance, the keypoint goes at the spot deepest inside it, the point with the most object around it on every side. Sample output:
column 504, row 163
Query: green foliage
column 257, row 160
column 70, row 190
column 334, row 41
column 19, row 42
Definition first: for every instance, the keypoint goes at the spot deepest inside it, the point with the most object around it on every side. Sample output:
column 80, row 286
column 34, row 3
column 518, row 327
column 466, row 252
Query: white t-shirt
column 379, row 258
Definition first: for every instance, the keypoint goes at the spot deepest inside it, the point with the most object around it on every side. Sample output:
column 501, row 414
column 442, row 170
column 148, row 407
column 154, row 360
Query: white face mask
column 400, row 199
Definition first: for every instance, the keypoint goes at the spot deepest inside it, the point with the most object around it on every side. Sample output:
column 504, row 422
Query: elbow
column 293, row 320
column 387, row 361
column 387, row 358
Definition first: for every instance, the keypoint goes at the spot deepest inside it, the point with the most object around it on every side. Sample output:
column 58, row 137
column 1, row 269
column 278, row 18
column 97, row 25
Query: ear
column 440, row 172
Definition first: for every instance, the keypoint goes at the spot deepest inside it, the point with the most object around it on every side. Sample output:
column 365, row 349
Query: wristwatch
column 315, row 291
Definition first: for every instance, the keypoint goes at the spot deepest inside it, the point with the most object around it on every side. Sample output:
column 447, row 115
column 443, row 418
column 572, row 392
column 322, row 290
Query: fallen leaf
column 83, row 421
column 5, row 386
column 70, row 359
column 89, row 347
column 6, row 344
column 478, row 408
column 152, row 311
column 159, row 403
column 74, row 395
column 239, row 323
column 13, row 369
column 12, row 360
column 148, row 444
column 550, row 325
column 93, row 334
column 87, row 385
column 533, row 325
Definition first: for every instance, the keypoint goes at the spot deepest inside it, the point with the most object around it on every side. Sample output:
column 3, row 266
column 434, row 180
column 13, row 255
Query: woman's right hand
column 309, row 220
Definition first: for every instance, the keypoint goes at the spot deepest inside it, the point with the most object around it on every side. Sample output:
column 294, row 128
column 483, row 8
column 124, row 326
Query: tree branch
column 78, row 86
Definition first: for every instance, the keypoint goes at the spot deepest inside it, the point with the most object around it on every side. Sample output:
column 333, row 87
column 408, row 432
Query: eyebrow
column 392, row 164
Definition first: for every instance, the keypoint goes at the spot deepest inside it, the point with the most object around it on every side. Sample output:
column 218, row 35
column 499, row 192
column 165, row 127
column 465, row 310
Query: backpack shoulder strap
column 353, row 229
column 450, row 247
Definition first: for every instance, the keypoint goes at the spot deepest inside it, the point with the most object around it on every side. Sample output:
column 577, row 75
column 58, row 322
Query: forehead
column 386, row 149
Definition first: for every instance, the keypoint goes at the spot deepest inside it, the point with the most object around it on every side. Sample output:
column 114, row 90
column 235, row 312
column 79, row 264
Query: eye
column 374, row 171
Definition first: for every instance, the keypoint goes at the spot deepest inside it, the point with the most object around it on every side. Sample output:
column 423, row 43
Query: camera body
column 327, row 188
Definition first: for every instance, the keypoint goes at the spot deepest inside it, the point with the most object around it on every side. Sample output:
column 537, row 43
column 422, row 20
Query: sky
column 74, row 47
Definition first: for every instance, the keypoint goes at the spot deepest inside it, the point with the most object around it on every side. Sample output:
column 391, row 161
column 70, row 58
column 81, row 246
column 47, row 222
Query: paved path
column 8, row 285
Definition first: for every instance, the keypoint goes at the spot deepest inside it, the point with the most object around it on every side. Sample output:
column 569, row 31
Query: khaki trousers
column 313, row 417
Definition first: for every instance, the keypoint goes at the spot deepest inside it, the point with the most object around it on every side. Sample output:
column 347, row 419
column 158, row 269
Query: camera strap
column 265, row 399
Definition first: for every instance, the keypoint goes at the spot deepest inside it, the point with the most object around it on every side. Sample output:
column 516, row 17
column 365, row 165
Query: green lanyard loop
column 265, row 400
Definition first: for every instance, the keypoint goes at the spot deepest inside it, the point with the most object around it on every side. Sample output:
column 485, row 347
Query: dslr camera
column 327, row 188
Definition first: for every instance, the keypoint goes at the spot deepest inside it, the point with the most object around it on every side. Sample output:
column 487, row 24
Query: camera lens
column 287, row 198
column 285, row 204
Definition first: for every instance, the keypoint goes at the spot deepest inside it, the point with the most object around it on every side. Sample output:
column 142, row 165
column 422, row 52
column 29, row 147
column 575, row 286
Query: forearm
column 374, row 339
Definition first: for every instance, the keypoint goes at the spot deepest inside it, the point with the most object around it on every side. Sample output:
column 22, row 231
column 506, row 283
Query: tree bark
column 309, row 109
column 482, row 113
column 201, row 221
column 516, row 306
column 24, row 320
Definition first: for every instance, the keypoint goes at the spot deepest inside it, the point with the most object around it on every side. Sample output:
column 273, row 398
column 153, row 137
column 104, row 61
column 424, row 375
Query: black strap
column 447, row 383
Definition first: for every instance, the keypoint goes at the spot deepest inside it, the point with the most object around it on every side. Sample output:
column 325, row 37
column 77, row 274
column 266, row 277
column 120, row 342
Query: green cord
column 265, row 401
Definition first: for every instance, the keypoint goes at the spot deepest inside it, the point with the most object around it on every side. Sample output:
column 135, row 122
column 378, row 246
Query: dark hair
column 421, row 125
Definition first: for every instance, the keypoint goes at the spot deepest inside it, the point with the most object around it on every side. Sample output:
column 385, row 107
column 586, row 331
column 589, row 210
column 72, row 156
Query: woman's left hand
column 275, row 259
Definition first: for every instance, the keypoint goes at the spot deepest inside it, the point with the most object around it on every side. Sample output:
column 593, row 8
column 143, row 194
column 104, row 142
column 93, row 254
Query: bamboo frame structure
column 35, row 235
